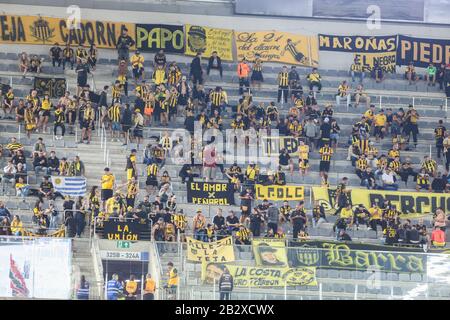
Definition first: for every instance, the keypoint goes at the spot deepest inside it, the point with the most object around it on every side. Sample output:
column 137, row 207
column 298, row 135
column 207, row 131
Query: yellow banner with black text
column 253, row 277
column 218, row 251
column 408, row 203
column 280, row 193
column 49, row 30
column 207, row 40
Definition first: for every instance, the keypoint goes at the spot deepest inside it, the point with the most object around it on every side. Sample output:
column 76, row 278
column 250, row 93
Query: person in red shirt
column 438, row 237
column 243, row 71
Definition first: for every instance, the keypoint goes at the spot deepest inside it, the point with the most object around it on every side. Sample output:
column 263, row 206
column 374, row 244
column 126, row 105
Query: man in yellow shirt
column 375, row 217
column 108, row 181
column 314, row 79
column 380, row 120
column 347, row 214
column 137, row 65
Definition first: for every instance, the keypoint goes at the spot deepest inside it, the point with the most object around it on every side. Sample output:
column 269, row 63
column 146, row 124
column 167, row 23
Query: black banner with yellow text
column 421, row 52
column 116, row 230
column 367, row 44
column 54, row 87
column 206, row 193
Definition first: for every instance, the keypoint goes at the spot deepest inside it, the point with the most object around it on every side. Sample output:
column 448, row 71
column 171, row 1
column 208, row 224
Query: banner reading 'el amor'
column 206, row 40
column 210, row 193
column 218, row 251
column 276, row 46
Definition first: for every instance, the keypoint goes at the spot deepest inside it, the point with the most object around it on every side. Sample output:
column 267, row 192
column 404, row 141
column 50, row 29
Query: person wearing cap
column 196, row 40
column 196, row 70
column 137, row 65
column 123, row 45
column 214, row 63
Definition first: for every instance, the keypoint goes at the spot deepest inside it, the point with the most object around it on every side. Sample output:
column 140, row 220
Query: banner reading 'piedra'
column 276, row 46
column 421, row 52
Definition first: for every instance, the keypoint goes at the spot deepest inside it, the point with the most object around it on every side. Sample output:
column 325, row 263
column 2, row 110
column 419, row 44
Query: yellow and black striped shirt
column 395, row 165
column 243, row 234
column 166, row 142
column 429, row 165
column 439, row 132
column 174, row 77
column 257, row 66
column 361, row 164
column 60, row 117
column 216, row 97
column 326, row 153
column 152, row 170
column 173, row 100
column 423, row 180
column 114, row 113
column 88, row 114
column 116, row 91
column 283, row 79
column 179, row 220
column 132, row 189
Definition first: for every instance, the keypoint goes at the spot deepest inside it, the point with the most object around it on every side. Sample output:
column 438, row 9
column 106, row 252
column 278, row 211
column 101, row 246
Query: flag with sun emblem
column 70, row 186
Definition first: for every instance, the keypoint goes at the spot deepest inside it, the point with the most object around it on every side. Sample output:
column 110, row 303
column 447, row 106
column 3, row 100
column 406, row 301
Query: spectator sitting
column 14, row 146
column 20, row 172
column 40, row 163
column 4, row 212
column 377, row 73
column 5, row 227
column 22, row 188
column 410, row 73
column 413, row 235
column 35, row 64
column 16, row 226
column 24, row 63
column 9, row 172
column 39, row 146
column 389, row 179
column 438, row 237
column 344, row 236
column 53, row 163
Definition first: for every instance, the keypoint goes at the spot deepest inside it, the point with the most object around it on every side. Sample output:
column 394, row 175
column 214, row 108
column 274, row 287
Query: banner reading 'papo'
column 408, row 203
column 356, row 256
column 218, row 251
column 367, row 44
column 277, row 46
column 206, row 40
column 153, row 37
column 46, row 30
column 280, row 193
column 421, row 52
column 249, row 276
column 210, row 193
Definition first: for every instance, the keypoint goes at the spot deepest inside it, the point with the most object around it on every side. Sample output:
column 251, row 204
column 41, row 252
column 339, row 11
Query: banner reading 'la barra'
column 356, row 256
column 153, row 37
column 218, row 251
column 46, row 30
column 206, row 40
column 280, row 193
column 421, row 52
column 250, row 276
column 210, row 193
column 368, row 44
column 276, row 46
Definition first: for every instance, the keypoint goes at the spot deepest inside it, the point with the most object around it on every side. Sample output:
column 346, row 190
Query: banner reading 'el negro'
column 206, row 40
column 275, row 46
column 385, row 60
column 153, row 37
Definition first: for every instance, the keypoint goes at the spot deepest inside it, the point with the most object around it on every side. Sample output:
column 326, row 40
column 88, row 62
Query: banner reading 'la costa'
column 276, row 46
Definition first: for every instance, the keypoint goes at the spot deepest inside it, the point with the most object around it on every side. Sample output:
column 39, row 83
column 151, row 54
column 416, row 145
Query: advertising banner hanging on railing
column 277, row 46
column 255, row 277
column 421, row 52
column 206, row 40
column 366, row 44
column 47, row 30
column 117, row 230
column 153, row 37
column 356, row 256
column 410, row 204
column 280, row 193
column 54, row 87
column 217, row 251
column 210, row 193
column 270, row 252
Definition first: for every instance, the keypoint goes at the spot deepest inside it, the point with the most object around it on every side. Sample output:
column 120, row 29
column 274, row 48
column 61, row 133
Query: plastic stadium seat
column 392, row 276
column 404, row 277
column 417, row 277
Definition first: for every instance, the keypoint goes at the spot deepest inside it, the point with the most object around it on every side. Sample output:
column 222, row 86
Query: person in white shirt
column 388, row 179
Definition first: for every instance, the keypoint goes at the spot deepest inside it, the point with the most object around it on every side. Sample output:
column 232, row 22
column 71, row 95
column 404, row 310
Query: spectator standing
column 56, row 55
column 114, row 288
column 283, row 84
column 196, row 71
column 225, row 285
column 214, row 63
column 83, row 289
column 314, row 80
column 124, row 43
column 68, row 56
column 243, row 71
column 149, row 288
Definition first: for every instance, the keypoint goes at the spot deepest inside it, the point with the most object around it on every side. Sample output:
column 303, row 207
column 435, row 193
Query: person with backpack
column 225, row 285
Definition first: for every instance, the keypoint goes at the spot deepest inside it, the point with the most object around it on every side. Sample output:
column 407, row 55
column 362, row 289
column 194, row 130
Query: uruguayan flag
column 70, row 186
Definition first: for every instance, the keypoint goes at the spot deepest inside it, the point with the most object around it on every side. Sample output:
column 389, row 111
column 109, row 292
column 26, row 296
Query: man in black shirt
column 46, row 189
column 439, row 184
column 285, row 161
column 40, row 163
column 298, row 219
column 218, row 220
column 126, row 122
column 56, row 55
column 255, row 221
column 82, row 71
column 325, row 131
column 344, row 236
column 196, row 71
column 246, row 203
column 232, row 222
column 124, row 43
column 214, row 63
column 53, row 163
